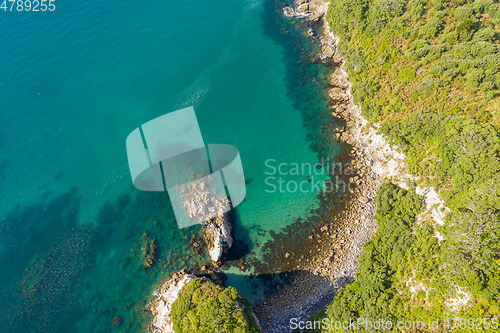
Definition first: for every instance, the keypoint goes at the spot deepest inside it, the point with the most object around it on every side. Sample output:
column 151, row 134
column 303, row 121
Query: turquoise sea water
column 73, row 84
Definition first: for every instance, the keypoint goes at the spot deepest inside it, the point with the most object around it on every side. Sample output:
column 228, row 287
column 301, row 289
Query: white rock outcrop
column 217, row 234
column 163, row 299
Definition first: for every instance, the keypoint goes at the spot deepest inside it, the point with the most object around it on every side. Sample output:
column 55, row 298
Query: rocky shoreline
column 313, row 288
column 375, row 160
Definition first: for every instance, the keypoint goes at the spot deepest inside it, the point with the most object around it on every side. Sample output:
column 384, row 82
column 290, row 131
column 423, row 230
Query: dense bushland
column 404, row 56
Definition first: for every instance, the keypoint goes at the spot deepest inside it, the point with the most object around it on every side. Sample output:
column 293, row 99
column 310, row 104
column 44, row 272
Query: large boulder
column 217, row 234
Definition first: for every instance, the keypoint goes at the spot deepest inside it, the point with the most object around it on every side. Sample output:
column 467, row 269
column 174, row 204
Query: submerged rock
column 117, row 321
column 148, row 250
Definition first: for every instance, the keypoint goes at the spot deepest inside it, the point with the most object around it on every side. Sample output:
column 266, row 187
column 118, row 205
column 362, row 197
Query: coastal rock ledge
column 163, row 299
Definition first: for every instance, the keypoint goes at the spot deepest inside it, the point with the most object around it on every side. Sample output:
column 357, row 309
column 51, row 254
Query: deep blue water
column 73, row 84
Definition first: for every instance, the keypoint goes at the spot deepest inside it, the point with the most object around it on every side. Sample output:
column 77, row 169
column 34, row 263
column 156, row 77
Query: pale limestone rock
column 162, row 302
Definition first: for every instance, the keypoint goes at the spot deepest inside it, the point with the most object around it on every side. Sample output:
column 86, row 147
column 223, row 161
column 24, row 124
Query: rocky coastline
column 375, row 160
column 314, row 287
column 313, row 284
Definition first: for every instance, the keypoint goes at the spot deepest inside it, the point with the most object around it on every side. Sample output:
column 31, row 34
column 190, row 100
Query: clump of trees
column 205, row 308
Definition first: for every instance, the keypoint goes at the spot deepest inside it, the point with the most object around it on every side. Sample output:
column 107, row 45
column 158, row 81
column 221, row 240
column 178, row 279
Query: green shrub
column 486, row 34
column 448, row 61
column 481, row 48
column 497, row 79
column 464, row 64
column 432, row 28
column 467, row 26
column 462, row 51
column 494, row 11
column 463, row 13
column 417, row 9
column 450, row 74
column 490, row 95
column 371, row 109
column 356, row 60
column 475, row 77
column 419, row 53
column 364, row 89
column 487, row 86
column 383, row 10
column 435, row 53
column 451, row 37
column 439, row 4
column 427, row 85
column 437, row 70
column 406, row 74
column 418, row 44
column 492, row 64
column 374, row 28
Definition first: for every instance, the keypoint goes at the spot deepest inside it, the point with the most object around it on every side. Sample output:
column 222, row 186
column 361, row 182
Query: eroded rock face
column 217, row 234
column 163, row 299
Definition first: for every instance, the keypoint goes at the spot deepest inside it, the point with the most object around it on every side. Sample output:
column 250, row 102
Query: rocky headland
column 163, row 299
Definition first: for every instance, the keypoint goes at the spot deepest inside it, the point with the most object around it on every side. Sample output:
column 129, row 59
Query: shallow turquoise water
column 74, row 83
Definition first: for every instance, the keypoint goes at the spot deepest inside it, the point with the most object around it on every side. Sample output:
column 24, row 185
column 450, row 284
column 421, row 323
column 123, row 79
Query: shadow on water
column 242, row 244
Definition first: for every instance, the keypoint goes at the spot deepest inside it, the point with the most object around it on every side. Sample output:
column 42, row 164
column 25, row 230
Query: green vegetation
column 429, row 71
column 205, row 307
column 435, row 55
